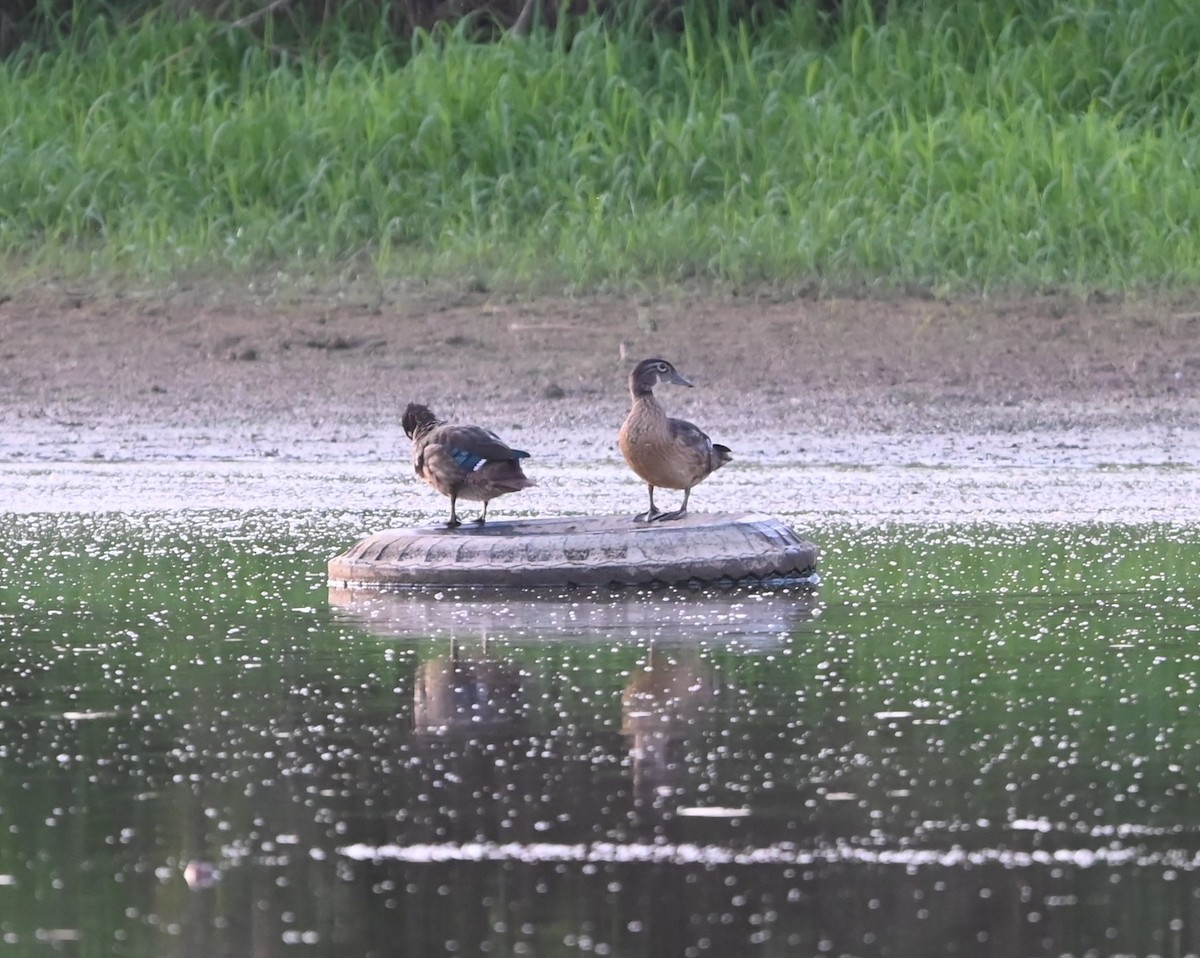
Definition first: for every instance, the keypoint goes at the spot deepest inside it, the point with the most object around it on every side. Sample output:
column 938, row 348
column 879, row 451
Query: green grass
column 952, row 145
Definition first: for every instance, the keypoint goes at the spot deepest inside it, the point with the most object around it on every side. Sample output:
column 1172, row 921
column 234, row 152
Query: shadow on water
column 977, row 742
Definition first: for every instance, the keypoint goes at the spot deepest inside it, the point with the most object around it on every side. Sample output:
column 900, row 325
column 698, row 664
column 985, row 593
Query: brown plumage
column 666, row 452
column 462, row 462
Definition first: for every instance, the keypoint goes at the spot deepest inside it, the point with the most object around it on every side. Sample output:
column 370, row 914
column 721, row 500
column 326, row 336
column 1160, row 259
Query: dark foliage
column 47, row 22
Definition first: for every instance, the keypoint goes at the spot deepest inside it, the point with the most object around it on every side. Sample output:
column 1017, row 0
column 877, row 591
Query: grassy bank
column 951, row 145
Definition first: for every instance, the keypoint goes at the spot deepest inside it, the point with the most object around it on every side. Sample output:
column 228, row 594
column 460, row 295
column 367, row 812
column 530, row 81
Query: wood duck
column 665, row 452
column 463, row 462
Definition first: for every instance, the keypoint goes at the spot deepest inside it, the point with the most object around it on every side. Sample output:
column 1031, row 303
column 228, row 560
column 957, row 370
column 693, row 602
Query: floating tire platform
column 699, row 549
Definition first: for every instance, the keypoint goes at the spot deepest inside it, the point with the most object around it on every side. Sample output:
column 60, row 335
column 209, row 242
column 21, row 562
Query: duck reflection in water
column 667, row 704
column 468, row 694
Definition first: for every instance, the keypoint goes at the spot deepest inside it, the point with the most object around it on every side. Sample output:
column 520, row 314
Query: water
column 971, row 739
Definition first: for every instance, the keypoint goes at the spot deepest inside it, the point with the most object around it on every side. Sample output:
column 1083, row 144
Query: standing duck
column 463, row 462
column 665, row 452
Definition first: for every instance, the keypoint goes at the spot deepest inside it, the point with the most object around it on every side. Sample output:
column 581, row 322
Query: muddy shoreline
column 210, row 372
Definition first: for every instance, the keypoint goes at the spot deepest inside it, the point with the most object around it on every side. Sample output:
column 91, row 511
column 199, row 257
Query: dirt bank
column 249, row 370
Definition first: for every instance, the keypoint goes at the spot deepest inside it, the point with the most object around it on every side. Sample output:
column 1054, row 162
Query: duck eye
column 662, row 367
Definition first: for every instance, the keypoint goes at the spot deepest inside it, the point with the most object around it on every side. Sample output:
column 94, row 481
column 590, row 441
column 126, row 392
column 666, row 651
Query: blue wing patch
column 468, row 460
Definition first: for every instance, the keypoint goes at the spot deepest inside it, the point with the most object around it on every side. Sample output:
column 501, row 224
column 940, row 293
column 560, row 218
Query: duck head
column 417, row 419
column 651, row 372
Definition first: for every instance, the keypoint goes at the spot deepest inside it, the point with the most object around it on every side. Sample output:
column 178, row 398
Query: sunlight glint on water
column 973, row 740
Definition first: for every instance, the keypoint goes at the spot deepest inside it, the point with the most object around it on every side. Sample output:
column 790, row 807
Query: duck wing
column 689, row 432
column 470, row 446
column 706, row 454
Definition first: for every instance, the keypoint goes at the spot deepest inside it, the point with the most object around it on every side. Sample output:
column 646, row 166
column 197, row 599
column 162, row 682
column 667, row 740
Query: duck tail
column 515, row 483
column 721, row 455
column 506, row 474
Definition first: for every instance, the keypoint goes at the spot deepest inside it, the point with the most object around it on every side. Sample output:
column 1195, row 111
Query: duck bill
column 678, row 380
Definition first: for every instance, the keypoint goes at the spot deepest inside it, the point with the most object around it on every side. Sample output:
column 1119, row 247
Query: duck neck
column 646, row 410
column 425, row 428
column 642, row 392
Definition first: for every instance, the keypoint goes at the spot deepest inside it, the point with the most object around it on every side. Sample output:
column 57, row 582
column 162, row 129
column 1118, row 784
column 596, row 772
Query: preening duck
column 665, row 452
column 462, row 462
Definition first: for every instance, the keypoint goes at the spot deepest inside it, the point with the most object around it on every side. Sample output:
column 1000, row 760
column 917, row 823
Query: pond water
column 975, row 739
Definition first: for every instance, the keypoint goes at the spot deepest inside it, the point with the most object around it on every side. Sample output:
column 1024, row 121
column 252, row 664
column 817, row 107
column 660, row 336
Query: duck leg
column 483, row 515
column 652, row 514
column 454, row 522
column 678, row 513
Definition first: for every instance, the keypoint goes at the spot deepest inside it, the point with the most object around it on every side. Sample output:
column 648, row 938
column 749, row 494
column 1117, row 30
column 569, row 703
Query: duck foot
column 648, row 516
column 668, row 516
column 453, row 523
